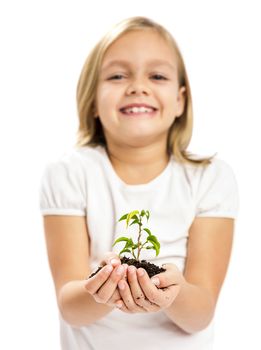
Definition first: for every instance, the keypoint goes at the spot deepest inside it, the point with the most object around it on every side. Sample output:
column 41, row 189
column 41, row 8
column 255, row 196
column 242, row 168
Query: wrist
column 193, row 308
column 78, row 307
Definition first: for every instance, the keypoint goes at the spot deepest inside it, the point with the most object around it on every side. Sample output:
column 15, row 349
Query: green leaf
column 147, row 215
column 156, row 248
column 130, row 215
column 125, row 251
column 148, row 231
column 142, row 213
column 129, row 244
column 123, row 217
column 150, row 247
column 152, row 239
column 120, row 240
column 134, row 222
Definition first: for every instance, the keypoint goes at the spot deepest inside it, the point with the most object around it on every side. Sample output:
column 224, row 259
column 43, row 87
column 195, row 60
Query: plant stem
column 132, row 252
column 139, row 244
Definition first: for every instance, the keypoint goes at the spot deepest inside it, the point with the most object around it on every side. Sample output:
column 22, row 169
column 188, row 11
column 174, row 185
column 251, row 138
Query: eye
column 116, row 77
column 159, row 77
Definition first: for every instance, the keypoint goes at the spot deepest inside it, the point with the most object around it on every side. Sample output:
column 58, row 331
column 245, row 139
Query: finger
column 137, row 292
column 95, row 282
column 162, row 297
column 172, row 276
column 111, row 258
column 107, row 289
column 127, row 297
column 150, row 291
column 114, row 298
column 135, row 288
column 120, row 305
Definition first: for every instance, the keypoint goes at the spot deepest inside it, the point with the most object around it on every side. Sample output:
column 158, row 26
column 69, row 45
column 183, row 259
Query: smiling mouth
column 138, row 111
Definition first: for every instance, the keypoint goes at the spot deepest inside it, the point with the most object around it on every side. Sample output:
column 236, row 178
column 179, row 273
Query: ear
column 181, row 99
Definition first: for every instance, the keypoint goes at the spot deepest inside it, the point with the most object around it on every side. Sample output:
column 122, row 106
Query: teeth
column 138, row 110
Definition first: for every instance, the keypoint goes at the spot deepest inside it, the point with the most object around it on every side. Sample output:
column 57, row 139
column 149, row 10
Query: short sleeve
column 217, row 194
column 62, row 189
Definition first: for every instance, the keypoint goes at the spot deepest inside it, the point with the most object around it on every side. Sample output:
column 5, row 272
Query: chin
column 139, row 141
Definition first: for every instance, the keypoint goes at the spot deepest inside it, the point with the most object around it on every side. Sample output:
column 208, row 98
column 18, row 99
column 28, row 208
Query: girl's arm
column 68, row 252
column 209, row 248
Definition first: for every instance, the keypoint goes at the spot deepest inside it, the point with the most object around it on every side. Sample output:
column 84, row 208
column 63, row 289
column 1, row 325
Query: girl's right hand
column 103, row 285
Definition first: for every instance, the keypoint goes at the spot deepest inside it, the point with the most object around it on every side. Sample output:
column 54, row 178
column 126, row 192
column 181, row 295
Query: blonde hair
column 90, row 131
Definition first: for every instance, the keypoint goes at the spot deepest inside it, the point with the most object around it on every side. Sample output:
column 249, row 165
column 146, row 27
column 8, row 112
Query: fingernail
column 119, row 305
column 121, row 285
column 120, row 270
column 155, row 281
column 140, row 272
column 131, row 269
column 114, row 261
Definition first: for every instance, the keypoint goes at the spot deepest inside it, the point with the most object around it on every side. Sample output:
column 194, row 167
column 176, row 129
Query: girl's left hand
column 141, row 293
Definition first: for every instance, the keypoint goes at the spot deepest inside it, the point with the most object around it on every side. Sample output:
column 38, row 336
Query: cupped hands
column 131, row 289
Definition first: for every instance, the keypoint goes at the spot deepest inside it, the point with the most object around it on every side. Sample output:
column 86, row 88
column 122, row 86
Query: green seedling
column 136, row 218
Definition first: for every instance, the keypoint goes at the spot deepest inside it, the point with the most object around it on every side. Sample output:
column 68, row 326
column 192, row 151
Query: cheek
column 167, row 94
column 106, row 97
column 171, row 101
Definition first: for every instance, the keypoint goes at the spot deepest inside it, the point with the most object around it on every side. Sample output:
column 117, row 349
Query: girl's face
column 138, row 97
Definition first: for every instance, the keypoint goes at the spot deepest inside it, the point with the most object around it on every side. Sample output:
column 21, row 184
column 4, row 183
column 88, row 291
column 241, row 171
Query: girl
column 135, row 124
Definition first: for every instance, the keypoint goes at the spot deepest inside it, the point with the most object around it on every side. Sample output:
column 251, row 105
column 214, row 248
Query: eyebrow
column 123, row 63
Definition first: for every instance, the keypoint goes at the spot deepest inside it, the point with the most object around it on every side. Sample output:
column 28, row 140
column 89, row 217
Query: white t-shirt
column 83, row 182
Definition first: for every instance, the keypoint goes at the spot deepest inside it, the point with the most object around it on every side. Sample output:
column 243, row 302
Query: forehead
column 138, row 46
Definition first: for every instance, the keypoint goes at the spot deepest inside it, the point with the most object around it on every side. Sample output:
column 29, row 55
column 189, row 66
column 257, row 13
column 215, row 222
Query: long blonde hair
column 90, row 131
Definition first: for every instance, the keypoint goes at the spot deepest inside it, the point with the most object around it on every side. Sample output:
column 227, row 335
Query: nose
column 138, row 87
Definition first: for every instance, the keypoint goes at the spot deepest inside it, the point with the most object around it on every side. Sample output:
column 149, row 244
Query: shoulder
column 64, row 184
column 210, row 185
column 216, row 190
column 217, row 169
column 71, row 169
column 76, row 160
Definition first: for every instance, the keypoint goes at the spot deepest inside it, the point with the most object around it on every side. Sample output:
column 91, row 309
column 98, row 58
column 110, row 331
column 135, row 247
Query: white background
column 43, row 47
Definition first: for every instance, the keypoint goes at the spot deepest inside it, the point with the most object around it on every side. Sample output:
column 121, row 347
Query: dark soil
column 151, row 269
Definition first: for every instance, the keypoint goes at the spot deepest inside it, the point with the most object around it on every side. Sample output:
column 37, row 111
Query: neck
column 136, row 165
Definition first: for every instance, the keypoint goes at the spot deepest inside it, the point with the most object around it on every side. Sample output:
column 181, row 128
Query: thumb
column 111, row 258
column 171, row 276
